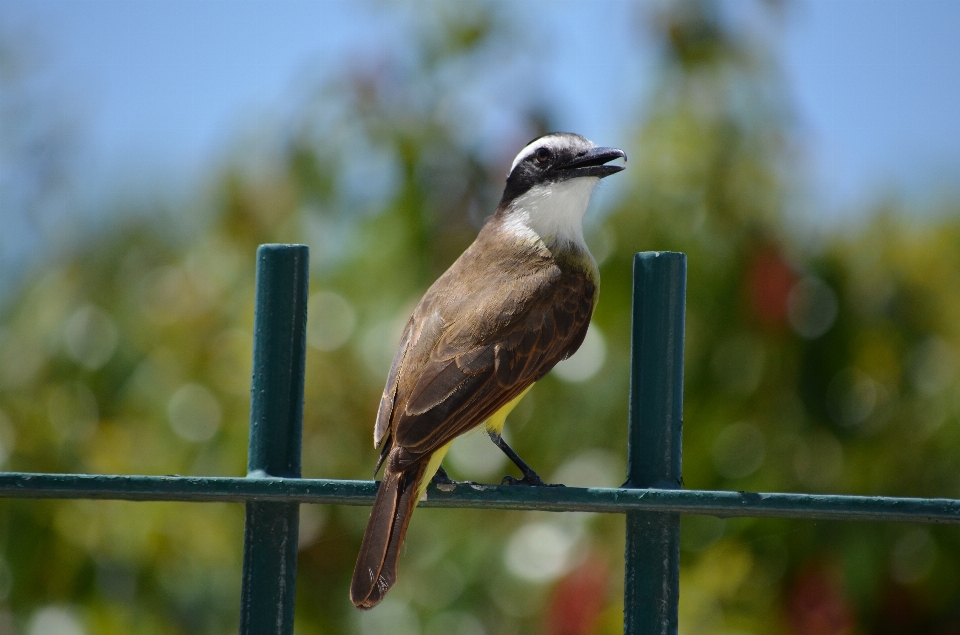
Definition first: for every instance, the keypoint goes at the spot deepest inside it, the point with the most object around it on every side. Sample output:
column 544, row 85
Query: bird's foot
column 442, row 478
column 529, row 476
column 530, row 479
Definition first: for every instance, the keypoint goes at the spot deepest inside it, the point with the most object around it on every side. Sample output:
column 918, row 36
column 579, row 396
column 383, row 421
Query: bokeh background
column 804, row 155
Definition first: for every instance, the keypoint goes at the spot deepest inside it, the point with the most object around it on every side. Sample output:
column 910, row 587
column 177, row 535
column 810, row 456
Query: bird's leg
column 529, row 476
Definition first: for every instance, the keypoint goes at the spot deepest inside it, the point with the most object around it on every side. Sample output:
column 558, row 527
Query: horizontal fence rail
column 651, row 499
column 557, row 499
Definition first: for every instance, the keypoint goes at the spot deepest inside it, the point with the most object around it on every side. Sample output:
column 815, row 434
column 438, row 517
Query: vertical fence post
column 276, row 430
column 652, row 561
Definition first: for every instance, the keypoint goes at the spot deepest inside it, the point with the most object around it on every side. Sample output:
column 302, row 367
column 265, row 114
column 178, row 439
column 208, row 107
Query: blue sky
column 160, row 89
column 877, row 88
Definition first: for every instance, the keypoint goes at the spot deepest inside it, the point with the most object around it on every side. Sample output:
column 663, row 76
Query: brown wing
column 390, row 391
column 485, row 355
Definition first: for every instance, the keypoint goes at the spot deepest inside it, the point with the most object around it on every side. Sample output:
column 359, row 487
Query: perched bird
column 515, row 303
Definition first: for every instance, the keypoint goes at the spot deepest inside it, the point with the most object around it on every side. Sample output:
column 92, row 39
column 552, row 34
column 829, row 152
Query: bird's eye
column 543, row 155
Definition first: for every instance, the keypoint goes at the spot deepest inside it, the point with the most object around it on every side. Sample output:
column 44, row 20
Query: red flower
column 578, row 599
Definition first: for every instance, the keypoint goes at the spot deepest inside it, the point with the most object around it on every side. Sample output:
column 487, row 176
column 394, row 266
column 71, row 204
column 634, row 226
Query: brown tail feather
column 376, row 569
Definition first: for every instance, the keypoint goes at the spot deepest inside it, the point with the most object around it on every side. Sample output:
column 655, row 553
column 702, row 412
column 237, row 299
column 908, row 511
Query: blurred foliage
column 810, row 367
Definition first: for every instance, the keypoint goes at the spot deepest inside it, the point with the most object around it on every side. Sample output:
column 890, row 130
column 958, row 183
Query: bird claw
column 442, row 478
column 530, row 480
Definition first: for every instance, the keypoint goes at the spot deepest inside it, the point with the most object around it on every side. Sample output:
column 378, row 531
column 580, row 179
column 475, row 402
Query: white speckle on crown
column 552, row 212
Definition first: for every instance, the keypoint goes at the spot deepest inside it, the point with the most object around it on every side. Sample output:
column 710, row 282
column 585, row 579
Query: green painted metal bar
column 652, row 561
column 566, row 499
column 651, row 498
column 276, row 429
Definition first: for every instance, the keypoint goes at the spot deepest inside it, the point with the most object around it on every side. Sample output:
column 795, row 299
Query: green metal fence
column 651, row 498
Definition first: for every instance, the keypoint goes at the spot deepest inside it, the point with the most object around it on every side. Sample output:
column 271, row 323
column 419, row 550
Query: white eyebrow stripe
column 549, row 141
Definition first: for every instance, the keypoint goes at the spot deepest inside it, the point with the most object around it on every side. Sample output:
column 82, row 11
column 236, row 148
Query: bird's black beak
column 592, row 163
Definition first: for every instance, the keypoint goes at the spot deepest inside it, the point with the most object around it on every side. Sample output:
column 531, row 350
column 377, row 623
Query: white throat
column 552, row 212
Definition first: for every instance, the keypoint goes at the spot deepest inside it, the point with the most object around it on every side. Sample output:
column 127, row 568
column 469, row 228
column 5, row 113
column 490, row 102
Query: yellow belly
column 494, row 424
column 432, row 466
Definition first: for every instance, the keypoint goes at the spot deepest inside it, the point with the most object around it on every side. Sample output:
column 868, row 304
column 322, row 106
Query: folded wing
column 451, row 380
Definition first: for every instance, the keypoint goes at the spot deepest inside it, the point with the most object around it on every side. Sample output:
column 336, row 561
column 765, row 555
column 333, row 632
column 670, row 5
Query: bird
column 514, row 304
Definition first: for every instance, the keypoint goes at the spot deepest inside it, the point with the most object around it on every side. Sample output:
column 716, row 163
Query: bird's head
column 557, row 157
column 550, row 185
